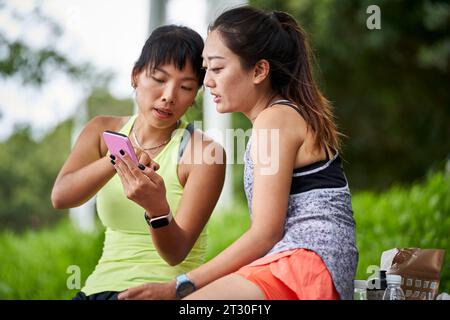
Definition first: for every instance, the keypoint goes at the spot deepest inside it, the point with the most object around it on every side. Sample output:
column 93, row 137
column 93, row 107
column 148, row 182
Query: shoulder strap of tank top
column 185, row 139
column 296, row 108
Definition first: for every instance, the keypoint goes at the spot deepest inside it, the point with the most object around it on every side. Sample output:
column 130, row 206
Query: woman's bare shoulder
column 97, row 125
column 287, row 121
column 102, row 123
column 279, row 116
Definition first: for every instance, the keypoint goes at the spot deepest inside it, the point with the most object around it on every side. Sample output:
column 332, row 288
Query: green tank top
column 129, row 257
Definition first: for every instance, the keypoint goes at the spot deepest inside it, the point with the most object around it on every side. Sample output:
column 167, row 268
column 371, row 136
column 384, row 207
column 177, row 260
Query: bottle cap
column 393, row 278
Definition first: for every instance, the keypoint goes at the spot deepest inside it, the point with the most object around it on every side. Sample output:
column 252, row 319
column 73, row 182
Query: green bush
column 415, row 216
column 224, row 228
column 28, row 169
column 34, row 264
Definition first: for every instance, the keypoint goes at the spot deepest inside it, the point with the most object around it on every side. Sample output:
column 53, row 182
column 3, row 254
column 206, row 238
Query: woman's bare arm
column 271, row 187
column 87, row 169
column 202, row 187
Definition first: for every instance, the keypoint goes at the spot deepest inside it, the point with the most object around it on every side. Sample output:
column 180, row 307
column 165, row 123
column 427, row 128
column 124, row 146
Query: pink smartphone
column 117, row 141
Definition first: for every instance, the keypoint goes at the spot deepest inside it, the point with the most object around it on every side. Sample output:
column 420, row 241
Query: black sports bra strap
column 287, row 103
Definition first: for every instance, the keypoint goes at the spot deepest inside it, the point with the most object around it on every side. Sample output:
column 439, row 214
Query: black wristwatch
column 158, row 222
column 184, row 286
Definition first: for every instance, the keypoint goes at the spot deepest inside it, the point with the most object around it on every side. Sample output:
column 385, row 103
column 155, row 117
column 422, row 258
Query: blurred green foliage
column 28, row 170
column 389, row 87
column 415, row 216
column 101, row 102
column 390, row 92
column 29, row 166
column 33, row 65
column 34, row 264
column 225, row 227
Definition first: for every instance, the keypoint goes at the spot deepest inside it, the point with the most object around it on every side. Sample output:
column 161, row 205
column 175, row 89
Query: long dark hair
column 172, row 44
column 275, row 36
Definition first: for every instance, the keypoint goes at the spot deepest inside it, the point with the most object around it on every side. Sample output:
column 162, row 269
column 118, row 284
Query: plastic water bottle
column 360, row 290
column 393, row 290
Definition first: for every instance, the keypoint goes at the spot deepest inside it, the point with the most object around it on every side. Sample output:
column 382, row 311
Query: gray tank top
column 319, row 216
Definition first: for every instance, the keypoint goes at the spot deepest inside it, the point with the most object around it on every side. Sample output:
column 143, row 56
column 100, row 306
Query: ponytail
column 275, row 36
column 302, row 88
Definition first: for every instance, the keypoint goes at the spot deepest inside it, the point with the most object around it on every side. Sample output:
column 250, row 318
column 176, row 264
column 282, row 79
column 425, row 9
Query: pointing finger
column 148, row 161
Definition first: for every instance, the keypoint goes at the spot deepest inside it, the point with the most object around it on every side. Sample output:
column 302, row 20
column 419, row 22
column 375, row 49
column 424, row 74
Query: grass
column 34, row 265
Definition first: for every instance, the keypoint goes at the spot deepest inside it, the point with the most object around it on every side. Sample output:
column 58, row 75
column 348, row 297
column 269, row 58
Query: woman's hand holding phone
column 139, row 179
column 143, row 186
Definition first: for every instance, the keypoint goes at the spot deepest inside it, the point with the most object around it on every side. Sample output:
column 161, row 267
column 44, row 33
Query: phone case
column 117, row 141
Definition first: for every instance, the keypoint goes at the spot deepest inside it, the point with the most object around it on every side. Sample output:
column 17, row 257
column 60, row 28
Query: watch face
column 158, row 223
column 185, row 288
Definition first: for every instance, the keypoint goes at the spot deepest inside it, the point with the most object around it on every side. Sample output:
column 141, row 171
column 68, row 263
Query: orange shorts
column 297, row 274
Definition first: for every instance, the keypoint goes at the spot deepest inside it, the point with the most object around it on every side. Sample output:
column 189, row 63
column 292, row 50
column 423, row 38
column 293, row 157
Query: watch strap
column 153, row 221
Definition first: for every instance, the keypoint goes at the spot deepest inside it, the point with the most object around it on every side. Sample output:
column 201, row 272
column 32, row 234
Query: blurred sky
column 109, row 34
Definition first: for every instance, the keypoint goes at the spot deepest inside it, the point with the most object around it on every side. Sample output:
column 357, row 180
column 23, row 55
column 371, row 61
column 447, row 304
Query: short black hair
column 172, row 44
